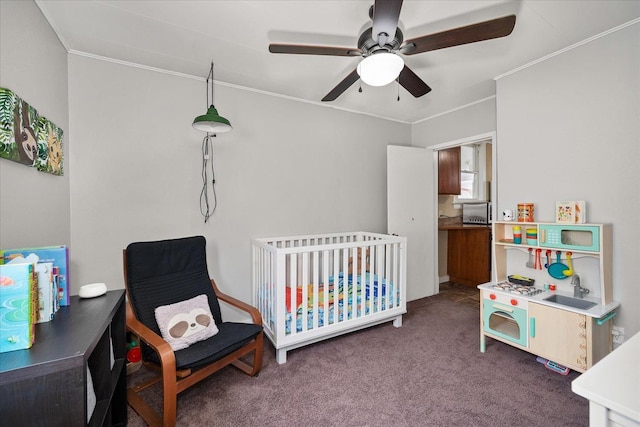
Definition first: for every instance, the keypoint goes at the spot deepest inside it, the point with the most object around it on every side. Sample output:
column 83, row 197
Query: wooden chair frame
column 175, row 381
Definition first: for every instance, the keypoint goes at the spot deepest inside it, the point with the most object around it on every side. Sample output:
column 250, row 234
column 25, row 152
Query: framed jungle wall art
column 27, row 137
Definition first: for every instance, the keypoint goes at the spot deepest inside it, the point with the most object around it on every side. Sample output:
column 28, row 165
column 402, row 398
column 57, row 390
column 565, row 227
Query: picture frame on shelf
column 571, row 211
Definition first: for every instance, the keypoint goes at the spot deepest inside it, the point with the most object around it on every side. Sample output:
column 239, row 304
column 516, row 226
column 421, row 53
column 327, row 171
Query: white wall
column 286, row 168
column 475, row 119
column 34, row 206
column 569, row 129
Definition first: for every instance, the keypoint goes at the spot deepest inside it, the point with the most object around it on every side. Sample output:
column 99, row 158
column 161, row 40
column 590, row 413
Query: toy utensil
column 548, row 254
column 538, row 264
column 530, row 262
column 556, row 269
column 569, row 271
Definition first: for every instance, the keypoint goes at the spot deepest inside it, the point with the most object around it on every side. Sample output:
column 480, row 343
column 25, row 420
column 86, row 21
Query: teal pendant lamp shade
column 211, row 122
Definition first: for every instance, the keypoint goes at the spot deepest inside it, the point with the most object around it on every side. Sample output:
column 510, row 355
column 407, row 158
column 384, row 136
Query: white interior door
column 411, row 213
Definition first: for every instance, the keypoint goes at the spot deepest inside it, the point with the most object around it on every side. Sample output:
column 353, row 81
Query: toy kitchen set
column 551, row 293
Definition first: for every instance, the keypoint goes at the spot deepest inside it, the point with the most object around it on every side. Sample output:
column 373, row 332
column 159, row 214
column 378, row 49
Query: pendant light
column 211, row 122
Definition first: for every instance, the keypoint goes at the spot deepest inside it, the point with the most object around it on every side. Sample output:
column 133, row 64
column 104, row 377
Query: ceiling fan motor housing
column 368, row 46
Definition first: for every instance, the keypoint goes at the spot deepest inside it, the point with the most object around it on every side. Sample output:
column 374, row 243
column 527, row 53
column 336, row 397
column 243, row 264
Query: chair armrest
column 254, row 312
column 155, row 341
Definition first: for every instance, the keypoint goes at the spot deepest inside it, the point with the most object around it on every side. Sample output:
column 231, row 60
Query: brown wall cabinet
column 449, row 171
column 469, row 256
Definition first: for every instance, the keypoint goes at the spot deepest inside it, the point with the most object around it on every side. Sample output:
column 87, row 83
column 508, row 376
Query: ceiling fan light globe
column 380, row 69
column 212, row 122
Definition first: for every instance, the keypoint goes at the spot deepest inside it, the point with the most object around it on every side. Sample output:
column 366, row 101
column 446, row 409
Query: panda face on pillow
column 187, row 324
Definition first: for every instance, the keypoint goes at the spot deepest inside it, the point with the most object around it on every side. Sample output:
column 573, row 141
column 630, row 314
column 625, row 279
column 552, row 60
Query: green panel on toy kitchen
column 505, row 321
column 570, row 237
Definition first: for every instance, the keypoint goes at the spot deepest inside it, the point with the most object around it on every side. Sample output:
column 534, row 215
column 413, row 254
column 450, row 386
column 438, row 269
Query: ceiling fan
column 384, row 41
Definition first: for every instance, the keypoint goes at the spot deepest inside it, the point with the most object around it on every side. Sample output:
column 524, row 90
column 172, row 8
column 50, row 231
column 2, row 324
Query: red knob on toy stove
column 492, row 296
column 514, row 302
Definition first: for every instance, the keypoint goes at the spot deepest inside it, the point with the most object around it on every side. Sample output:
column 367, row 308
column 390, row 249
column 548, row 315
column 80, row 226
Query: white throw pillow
column 186, row 322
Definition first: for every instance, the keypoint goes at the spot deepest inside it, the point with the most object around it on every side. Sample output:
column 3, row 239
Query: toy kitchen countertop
column 541, row 296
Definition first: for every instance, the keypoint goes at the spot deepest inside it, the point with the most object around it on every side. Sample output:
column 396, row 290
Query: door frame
column 483, row 137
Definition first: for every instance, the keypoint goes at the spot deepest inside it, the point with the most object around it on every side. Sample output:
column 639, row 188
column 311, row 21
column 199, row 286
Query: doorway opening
column 477, row 184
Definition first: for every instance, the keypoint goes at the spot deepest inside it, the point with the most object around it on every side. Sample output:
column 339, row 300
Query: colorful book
column 58, row 255
column 55, row 300
column 46, row 292
column 17, row 309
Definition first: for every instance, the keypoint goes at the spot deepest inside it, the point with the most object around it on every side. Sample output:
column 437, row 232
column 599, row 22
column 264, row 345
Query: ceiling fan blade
column 385, row 20
column 313, row 50
column 342, row 86
column 493, row 29
column 412, row 83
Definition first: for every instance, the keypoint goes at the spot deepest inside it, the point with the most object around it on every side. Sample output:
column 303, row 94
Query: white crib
column 336, row 283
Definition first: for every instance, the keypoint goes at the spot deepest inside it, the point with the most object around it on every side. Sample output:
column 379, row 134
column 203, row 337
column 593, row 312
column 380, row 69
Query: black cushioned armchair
column 165, row 272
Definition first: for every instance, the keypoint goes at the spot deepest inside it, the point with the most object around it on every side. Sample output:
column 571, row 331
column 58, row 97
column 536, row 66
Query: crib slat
column 369, row 283
column 375, row 251
column 281, row 274
column 293, row 273
column 387, row 268
column 336, row 292
column 305, row 291
column 380, row 259
column 316, row 295
column 395, row 274
column 345, row 286
column 326, row 288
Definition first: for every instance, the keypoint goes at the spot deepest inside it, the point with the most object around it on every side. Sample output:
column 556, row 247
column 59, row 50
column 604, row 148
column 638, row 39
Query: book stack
column 33, row 286
column 18, row 309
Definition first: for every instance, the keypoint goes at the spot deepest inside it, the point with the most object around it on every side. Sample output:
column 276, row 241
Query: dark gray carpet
column 429, row 372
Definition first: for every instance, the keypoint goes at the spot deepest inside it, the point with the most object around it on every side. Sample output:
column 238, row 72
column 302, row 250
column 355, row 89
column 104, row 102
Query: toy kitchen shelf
column 600, row 249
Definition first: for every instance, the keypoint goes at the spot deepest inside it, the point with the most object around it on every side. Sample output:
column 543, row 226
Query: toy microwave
column 570, row 237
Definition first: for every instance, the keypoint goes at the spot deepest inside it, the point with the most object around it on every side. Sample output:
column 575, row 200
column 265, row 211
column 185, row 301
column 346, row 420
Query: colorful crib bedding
column 367, row 290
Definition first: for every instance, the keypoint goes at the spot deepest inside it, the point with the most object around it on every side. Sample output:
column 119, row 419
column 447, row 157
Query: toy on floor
column 553, row 366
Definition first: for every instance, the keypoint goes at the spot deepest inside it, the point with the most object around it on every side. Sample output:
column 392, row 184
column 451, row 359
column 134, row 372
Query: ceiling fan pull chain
column 360, row 88
column 398, row 81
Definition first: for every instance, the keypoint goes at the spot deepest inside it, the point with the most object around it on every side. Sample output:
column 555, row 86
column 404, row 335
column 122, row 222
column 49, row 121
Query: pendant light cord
column 210, row 77
column 207, row 157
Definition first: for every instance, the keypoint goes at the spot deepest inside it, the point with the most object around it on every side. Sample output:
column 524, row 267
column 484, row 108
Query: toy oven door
column 505, row 321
